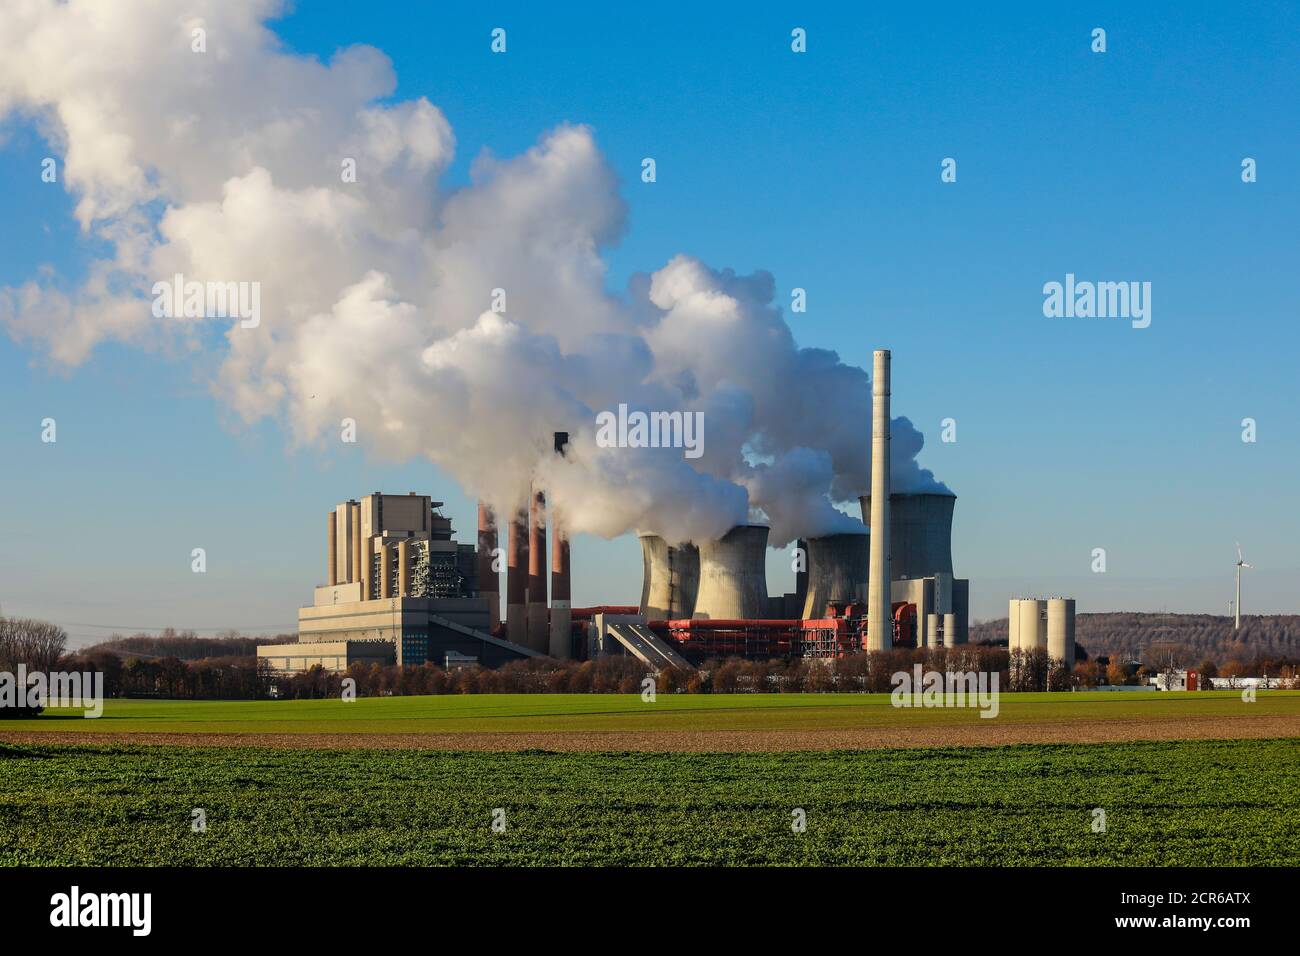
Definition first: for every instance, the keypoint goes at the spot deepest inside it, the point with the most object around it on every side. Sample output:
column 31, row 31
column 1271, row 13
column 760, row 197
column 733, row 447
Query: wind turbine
column 1241, row 563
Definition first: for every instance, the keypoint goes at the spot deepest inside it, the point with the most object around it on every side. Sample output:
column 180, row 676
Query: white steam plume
column 376, row 295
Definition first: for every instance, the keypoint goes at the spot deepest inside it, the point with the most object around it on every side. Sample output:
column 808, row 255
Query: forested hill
column 184, row 645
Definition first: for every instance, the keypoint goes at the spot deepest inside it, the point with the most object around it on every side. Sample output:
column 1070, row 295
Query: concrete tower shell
column 880, row 626
column 920, row 533
column 838, row 569
column 733, row 576
column 670, row 580
column 801, row 576
column 1060, row 630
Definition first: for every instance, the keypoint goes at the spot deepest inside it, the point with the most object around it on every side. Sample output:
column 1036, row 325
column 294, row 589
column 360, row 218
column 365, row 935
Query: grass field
column 520, row 713
column 1182, row 803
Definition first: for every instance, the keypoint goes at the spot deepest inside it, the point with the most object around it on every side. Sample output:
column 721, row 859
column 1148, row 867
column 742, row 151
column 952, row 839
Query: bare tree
column 36, row 644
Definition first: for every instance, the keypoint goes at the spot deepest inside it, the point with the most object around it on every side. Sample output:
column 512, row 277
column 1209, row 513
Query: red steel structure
column 841, row 633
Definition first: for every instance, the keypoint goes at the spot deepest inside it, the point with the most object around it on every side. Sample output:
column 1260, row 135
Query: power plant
column 401, row 590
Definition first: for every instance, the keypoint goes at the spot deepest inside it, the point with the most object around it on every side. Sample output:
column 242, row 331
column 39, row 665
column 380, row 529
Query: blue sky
column 823, row 169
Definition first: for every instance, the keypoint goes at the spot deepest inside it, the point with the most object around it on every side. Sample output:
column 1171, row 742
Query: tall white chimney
column 880, row 627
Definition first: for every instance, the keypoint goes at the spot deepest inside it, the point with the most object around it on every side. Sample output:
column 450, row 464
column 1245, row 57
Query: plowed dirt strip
column 984, row 734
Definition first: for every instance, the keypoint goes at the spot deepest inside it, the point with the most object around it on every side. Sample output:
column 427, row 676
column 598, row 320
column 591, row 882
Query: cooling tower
column 837, row 571
column 733, row 576
column 880, row 624
column 801, row 576
column 670, row 580
column 1060, row 630
column 920, row 533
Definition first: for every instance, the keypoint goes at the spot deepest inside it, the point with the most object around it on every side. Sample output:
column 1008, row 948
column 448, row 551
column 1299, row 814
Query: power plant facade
column 400, row 589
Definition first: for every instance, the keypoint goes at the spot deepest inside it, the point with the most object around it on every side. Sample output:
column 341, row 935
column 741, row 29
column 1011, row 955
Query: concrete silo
column 733, row 576
column 670, row 580
column 1060, row 630
column 1026, row 625
column 838, row 565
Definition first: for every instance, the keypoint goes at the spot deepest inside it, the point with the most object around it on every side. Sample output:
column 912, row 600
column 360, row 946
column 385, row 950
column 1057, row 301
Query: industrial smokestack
column 517, row 579
column 733, row 575
column 838, row 566
column 539, row 638
column 332, row 537
column 671, row 579
column 489, row 581
column 879, row 626
column 561, row 616
column 920, row 532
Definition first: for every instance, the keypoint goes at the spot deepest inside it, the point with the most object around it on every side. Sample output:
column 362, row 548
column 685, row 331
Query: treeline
column 186, row 645
column 212, row 678
column 624, row 675
column 1271, row 640
column 35, row 644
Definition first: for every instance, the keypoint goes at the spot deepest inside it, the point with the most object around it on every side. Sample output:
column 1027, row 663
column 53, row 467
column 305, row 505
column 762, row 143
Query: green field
column 1179, row 803
column 627, row 712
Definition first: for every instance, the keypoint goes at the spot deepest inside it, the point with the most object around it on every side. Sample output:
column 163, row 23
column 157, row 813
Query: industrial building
column 400, row 589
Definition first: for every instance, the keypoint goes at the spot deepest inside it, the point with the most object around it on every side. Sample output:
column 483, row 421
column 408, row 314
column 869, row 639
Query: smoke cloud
column 462, row 325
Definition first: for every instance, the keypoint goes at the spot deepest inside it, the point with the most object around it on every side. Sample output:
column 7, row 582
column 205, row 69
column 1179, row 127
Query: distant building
column 399, row 590
column 1176, row 680
column 1190, row 680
